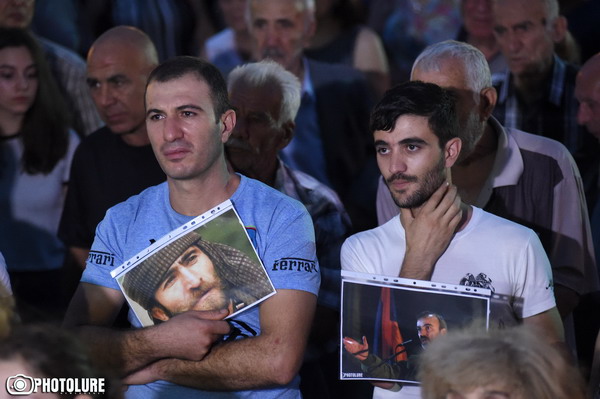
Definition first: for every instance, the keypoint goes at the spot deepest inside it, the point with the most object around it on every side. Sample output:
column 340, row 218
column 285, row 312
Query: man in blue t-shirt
column 191, row 355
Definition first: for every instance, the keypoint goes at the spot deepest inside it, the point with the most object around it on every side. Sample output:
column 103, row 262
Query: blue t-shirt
column 280, row 229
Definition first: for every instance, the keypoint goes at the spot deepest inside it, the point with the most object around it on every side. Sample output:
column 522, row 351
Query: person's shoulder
column 333, row 72
column 262, row 196
column 74, row 139
column 570, row 69
column 319, row 192
column 540, row 145
column 380, row 234
column 98, row 139
column 219, row 42
column 148, row 199
column 502, row 229
column 65, row 54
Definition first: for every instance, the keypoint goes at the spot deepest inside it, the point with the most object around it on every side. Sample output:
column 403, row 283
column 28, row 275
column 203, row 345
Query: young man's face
column 521, row 29
column 191, row 283
column 280, row 31
column 410, row 160
column 428, row 329
column 186, row 137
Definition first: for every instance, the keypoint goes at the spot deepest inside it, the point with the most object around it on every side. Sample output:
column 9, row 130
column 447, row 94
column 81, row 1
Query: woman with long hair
column 36, row 148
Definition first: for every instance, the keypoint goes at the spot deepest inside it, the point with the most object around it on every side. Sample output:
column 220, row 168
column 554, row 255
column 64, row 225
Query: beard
column 430, row 182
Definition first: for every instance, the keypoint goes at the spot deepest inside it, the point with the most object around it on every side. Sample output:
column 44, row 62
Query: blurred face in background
column 281, row 30
column 525, row 35
column 478, row 18
column 587, row 92
column 18, row 81
column 16, row 13
column 233, row 12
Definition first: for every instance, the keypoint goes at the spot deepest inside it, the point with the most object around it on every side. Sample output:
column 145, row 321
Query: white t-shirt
column 508, row 256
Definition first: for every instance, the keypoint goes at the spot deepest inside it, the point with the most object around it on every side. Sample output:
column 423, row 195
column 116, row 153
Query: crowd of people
column 425, row 140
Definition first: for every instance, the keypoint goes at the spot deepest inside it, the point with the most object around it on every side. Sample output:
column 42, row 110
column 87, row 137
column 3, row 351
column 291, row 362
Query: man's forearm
column 249, row 363
column 270, row 359
column 123, row 351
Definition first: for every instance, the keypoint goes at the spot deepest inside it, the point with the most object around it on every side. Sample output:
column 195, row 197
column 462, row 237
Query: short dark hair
column 438, row 316
column 178, row 67
column 419, row 99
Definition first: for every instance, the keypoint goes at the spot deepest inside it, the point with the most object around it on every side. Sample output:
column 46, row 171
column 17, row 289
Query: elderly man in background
column 587, row 92
column 536, row 94
column 116, row 161
column 266, row 97
column 330, row 142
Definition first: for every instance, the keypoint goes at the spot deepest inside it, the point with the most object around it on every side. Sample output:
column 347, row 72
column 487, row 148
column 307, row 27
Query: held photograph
column 206, row 264
column 386, row 323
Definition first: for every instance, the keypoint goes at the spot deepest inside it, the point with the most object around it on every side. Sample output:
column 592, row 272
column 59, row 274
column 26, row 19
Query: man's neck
column 467, row 212
column 471, row 174
column 193, row 197
column 10, row 124
column 137, row 137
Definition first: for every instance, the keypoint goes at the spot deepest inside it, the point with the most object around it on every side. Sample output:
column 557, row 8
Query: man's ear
column 228, row 120
column 487, row 102
column 287, row 134
column 451, row 151
column 559, row 29
column 443, row 331
column 159, row 314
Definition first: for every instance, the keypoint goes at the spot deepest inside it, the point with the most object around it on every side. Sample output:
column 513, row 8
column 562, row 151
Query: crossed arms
column 186, row 350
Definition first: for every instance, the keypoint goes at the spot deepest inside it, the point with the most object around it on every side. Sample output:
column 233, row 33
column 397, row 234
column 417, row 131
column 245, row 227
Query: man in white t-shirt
column 437, row 237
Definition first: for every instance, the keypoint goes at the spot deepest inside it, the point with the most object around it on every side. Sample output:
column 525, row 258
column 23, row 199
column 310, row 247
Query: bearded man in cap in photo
column 194, row 274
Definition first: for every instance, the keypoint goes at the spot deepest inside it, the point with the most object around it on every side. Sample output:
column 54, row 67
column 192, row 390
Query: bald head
column 118, row 65
column 126, row 37
column 587, row 92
